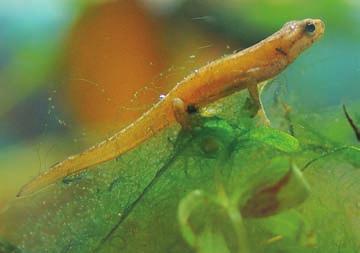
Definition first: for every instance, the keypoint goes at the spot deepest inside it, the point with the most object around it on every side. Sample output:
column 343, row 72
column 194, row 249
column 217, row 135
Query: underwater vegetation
column 227, row 185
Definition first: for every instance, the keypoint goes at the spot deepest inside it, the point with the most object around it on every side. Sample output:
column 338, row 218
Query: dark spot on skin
column 281, row 51
column 191, row 109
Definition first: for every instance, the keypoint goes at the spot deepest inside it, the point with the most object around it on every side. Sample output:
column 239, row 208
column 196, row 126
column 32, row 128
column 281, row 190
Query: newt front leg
column 255, row 93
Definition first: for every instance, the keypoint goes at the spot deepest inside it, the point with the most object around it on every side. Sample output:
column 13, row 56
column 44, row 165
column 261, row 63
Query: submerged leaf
column 143, row 202
column 289, row 225
column 209, row 225
column 268, row 199
column 274, row 138
column 7, row 247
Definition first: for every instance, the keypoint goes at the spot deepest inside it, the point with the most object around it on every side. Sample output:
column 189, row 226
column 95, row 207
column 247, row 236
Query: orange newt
column 220, row 78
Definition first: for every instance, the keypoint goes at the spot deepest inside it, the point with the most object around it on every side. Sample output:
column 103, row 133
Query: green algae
column 228, row 185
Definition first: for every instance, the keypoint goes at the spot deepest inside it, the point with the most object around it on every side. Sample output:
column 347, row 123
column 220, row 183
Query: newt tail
column 220, row 78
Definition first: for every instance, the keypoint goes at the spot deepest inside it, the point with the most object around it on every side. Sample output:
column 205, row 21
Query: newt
column 220, row 78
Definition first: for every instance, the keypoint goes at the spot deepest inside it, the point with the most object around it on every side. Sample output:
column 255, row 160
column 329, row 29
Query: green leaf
column 289, row 225
column 270, row 198
column 274, row 138
column 219, row 230
column 142, row 201
column 7, row 247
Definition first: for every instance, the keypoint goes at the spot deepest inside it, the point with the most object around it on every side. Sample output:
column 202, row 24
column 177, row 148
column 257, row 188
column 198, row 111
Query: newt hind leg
column 183, row 114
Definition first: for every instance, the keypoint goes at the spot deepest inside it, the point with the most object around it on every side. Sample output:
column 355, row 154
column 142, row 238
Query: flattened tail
column 125, row 140
column 102, row 152
column 33, row 186
column 47, row 178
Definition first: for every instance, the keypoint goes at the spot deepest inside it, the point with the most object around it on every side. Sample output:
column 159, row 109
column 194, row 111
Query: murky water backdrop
column 72, row 73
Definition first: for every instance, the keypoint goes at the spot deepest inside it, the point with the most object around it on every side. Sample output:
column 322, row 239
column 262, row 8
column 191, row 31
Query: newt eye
column 310, row 28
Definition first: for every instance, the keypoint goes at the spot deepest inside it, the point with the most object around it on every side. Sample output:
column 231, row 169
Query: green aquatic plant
column 226, row 185
column 6, row 246
column 218, row 216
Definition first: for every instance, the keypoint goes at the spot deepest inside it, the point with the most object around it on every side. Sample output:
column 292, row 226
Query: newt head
column 296, row 36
